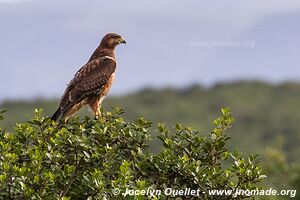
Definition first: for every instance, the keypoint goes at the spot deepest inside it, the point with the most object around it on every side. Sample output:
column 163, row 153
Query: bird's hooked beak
column 122, row 40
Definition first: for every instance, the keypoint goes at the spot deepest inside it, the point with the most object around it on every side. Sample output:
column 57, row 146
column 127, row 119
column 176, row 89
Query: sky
column 169, row 43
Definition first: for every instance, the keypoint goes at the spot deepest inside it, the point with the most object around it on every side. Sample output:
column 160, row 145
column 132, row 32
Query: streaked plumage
column 92, row 82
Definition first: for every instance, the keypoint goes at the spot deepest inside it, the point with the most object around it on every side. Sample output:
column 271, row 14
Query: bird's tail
column 58, row 114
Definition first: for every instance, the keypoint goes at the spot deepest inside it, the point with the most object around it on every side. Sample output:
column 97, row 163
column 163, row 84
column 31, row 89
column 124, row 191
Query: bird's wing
column 87, row 81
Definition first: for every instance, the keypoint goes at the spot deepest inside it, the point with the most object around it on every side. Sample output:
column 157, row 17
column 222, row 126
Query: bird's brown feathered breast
column 88, row 81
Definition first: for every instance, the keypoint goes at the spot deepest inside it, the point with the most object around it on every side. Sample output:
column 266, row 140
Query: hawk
column 92, row 82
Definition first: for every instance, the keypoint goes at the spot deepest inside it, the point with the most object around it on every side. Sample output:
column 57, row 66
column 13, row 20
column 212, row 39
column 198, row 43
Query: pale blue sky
column 169, row 43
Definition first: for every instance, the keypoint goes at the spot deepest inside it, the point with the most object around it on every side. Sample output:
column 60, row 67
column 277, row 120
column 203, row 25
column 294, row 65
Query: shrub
column 103, row 159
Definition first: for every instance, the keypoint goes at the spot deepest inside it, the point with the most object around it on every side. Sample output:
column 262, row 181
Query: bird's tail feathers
column 57, row 115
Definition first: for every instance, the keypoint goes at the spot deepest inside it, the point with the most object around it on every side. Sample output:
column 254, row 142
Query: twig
column 74, row 174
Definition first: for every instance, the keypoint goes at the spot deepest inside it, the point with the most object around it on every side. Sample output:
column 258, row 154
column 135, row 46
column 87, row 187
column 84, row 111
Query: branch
column 73, row 176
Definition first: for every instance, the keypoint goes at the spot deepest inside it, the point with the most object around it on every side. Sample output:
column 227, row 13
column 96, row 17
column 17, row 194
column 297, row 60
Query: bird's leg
column 95, row 105
column 96, row 110
column 97, row 114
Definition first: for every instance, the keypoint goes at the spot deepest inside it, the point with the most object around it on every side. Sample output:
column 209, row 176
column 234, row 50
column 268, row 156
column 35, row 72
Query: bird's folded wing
column 88, row 80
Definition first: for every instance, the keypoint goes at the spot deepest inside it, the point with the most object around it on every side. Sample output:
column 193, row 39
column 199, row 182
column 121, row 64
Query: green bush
column 96, row 159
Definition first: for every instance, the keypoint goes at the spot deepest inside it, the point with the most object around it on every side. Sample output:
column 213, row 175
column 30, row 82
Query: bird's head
column 111, row 40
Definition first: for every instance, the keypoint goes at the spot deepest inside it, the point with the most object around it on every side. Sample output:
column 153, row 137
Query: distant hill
column 265, row 114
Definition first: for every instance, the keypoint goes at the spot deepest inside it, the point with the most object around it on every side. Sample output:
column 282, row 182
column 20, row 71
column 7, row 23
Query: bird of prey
column 92, row 82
